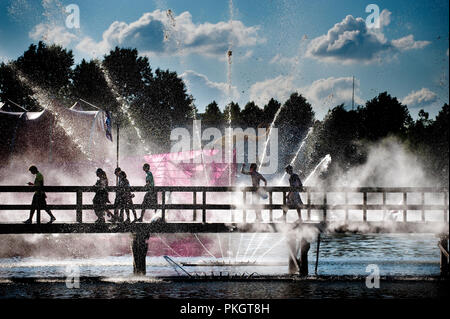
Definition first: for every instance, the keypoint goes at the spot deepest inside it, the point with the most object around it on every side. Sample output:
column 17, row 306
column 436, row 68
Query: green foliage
column 252, row 115
column 213, row 116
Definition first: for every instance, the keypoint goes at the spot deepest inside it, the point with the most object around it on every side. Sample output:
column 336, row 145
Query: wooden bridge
column 327, row 209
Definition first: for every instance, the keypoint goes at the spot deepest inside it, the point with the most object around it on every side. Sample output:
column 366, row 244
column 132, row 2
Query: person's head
column 146, row 167
column 100, row 172
column 289, row 169
column 122, row 174
column 253, row 167
column 117, row 171
column 33, row 169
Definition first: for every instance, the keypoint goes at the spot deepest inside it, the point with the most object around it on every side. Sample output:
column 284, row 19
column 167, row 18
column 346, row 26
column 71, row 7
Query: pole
column 353, row 93
column 117, row 151
column 317, row 253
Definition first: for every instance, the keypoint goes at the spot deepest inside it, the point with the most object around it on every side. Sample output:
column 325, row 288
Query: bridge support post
column 139, row 247
column 298, row 265
column 443, row 246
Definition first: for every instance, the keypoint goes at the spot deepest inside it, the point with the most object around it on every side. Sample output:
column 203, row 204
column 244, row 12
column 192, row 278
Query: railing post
column 244, row 211
column 79, row 206
column 38, row 215
column 163, row 209
column 346, row 208
column 325, row 206
column 270, row 203
column 365, row 206
column 308, row 200
column 384, row 205
column 284, row 205
column 446, row 204
column 423, row 203
column 204, row 209
column 405, row 199
column 194, row 201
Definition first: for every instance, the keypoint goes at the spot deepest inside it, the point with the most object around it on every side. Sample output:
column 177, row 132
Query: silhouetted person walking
column 101, row 196
column 256, row 179
column 293, row 198
column 125, row 198
column 39, row 202
column 115, row 216
column 150, row 196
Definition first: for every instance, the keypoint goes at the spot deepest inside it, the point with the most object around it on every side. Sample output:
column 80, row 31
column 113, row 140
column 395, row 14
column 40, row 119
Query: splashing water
column 321, row 167
column 311, row 129
column 123, row 106
column 269, row 135
column 48, row 103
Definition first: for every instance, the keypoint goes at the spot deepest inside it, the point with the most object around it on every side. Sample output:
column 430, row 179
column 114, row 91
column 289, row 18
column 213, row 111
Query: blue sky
column 312, row 47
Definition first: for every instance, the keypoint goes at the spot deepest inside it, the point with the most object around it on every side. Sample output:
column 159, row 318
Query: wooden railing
column 203, row 206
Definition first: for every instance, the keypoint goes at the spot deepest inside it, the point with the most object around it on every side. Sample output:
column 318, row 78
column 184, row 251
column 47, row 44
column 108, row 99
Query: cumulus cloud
column 408, row 43
column 206, row 90
column 160, row 32
column 351, row 41
column 278, row 88
column 421, row 98
column 323, row 94
column 52, row 34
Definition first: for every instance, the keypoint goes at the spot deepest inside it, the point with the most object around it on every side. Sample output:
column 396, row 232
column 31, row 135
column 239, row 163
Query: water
column 344, row 255
column 414, row 257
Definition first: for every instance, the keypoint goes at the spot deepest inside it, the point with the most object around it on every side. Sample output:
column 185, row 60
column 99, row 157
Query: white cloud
column 350, row 41
column 408, row 43
column 52, row 34
column 385, row 17
column 325, row 94
column 159, row 32
column 205, row 90
column 279, row 88
column 278, row 58
column 421, row 98
column 322, row 94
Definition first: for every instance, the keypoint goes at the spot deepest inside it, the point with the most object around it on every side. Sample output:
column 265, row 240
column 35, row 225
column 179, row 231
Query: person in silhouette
column 125, row 198
column 39, row 196
column 101, row 196
column 150, row 196
column 293, row 199
column 256, row 179
column 115, row 217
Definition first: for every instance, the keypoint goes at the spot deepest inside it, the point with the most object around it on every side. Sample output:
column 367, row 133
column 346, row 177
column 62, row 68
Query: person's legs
column 34, row 207
column 255, row 201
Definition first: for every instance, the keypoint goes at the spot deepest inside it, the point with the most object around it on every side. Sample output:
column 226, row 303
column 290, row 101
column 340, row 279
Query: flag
column 108, row 126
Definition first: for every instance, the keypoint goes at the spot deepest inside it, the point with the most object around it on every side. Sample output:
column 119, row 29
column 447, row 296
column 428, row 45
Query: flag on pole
column 108, row 126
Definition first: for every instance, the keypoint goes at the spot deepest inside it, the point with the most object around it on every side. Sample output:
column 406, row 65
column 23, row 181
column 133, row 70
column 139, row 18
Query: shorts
column 39, row 201
column 149, row 200
column 294, row 199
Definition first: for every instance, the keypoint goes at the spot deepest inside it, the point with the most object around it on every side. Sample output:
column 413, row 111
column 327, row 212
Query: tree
column 130, row 74
column 270, row 110
column 170, row 92
column 213, row 116
column 297, row 113
column 47, row 66
column 384, row 115
column 252, row 115
column 16, row 91
column 89, row 84
column 234, row 111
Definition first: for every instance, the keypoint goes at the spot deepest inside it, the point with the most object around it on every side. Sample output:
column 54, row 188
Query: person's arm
column 263, row 179
column 244, row 172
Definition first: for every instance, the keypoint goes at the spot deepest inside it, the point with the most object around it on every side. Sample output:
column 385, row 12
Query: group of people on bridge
column 124, row 198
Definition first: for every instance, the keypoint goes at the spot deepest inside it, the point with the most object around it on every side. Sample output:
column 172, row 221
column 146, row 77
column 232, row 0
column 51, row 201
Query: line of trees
column 158, row 101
